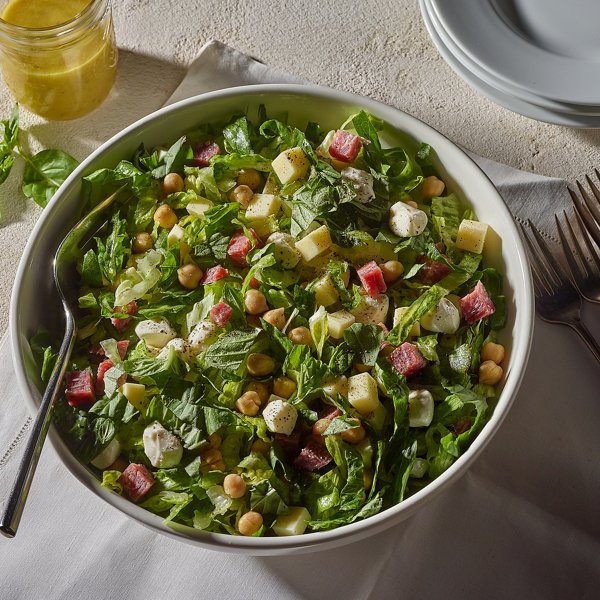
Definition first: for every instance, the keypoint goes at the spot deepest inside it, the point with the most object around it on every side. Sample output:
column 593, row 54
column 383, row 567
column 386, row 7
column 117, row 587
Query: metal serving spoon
column 65, row 278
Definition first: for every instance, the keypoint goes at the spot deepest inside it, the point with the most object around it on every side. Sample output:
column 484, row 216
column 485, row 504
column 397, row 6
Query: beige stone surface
column 377, row 48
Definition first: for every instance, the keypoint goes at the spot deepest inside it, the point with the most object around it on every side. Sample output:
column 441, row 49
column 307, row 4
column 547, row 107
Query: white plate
column 504, row 87
column 508, row 101
column 544, row 46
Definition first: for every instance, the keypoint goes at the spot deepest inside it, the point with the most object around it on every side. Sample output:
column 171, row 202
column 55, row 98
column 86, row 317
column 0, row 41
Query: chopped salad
column 281, row 331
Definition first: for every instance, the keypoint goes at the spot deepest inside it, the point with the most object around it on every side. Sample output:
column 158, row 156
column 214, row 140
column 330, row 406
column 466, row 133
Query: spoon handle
column 13, row 509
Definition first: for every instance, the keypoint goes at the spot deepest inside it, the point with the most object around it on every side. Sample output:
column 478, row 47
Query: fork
column 64, row 263
column 583, row 262
column 557, row 300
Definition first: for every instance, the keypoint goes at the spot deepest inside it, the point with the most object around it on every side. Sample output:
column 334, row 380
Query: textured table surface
column 375, row 48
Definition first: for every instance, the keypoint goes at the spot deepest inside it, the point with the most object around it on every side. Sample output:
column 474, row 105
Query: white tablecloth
column 522, row 523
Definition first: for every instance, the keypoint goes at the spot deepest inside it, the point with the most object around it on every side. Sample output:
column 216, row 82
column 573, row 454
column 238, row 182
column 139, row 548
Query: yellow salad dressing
column 67, row 70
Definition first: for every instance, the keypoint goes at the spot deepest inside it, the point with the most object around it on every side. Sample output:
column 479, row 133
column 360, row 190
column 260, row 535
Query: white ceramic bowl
column 34, row 301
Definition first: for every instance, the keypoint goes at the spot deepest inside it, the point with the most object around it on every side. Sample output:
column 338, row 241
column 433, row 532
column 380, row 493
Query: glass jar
column 62, row 71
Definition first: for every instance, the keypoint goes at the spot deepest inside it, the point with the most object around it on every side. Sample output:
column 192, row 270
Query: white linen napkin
column 523, row 522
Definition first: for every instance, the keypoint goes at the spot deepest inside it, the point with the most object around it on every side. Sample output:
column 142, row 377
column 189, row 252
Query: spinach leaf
column 45, row 172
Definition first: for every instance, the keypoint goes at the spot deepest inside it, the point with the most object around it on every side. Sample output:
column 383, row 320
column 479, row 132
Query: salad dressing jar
column 58, row 57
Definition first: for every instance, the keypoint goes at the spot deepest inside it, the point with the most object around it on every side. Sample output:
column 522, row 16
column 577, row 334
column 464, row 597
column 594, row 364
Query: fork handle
column 18, row 494
column 587, row 337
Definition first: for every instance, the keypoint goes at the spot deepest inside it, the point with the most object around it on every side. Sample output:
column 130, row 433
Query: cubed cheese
column 315, row 243
column 471, row 236
column 136, row 395
column 290, row 165
column 293, row 522
column 415, row 330
column 326, row 293
column 338, row 322
column 198, row 207
column 444, row 318
column 176, row 235
column 271, row 186
column 420, row 408
column 406, row 221
column 108, row 456
column 362, row 393
column 262, row 206
column 155, row 333
column 285, row 251
column 336, row 386
column 163, row 448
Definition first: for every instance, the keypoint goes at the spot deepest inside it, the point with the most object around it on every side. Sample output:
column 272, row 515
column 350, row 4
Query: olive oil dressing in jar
column 58, row 57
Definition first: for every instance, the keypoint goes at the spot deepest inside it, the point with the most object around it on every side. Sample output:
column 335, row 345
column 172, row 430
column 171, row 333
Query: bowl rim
column 398, row 119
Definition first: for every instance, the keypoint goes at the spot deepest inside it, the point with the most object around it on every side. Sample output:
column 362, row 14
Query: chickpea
column 189, row 276
column 255, row 302
column 362, row 368
column 275, row 317
column 172, row 183
column 392, row 270
column 490, row 373
column 284, row 387
column 248, row 404
column 165, row 216
column 354, row 435
column 262, row 389
column 234, row 486
column 212, row 460
column 241, row 194
column 319, row 427
column 249, row 177
column 432, row 187
column 301, row 335
column 493, row 352
column 214, row 439
column 250, row 523
column 412, row 203
column 260, row 447
column 259, row 365
column 142, row 242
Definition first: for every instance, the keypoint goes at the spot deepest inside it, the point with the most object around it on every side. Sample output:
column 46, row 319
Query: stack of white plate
column 539, row 58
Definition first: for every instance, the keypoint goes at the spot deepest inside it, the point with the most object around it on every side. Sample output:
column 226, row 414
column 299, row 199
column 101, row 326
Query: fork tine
column 567, row 246
column 592, row 252
column 556, row 278
column 540, row 278
column 593, row 187
column 584, row 214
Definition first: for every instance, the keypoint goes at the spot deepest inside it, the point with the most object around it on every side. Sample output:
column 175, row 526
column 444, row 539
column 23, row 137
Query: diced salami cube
column 122, row 347
column 121, row 324
column 371, row 278
column 383, row 328
column 289, row 444
column 80, row 388
column 136, row 481
column 254, row 283
column 214, row 274
column 407, row 359
column 477, row 304
column 432, row 271
column 221, row 313
column 345, row 146
column 313, row 457
column 97, row 354
column 104, row 366
column 204, row 151
column 239, row 246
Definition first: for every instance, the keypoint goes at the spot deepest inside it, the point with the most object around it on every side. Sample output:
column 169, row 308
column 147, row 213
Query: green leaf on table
column 45, row 172
column 10, row 137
